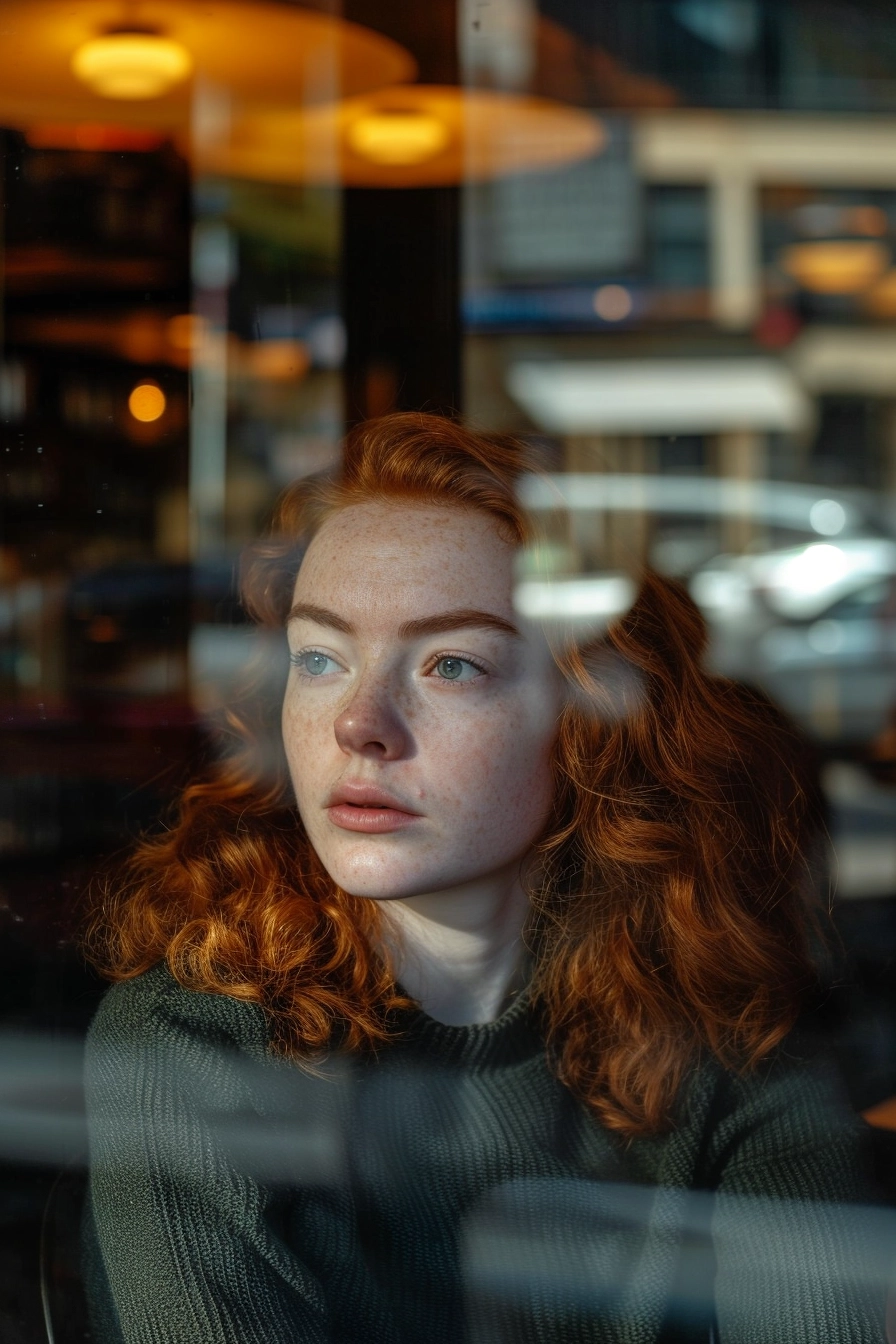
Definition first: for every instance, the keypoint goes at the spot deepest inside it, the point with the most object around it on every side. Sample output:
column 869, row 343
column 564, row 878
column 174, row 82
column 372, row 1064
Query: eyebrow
column 444, row 621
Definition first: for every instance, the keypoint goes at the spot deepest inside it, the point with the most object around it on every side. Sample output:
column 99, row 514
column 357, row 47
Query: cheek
column 499, row 771
column 304, row 734
column 526, row 774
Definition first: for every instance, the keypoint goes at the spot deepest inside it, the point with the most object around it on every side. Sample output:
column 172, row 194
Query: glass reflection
column 653, row 240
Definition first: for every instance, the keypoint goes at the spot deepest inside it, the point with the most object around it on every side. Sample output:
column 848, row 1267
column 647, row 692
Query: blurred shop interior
column 656, row 238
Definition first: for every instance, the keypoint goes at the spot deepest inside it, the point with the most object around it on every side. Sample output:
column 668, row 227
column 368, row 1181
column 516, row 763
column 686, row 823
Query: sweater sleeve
column 186, row 1237
column 800, row 1253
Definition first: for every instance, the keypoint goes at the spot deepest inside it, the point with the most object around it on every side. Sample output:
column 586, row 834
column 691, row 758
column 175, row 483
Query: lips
column 364, row 807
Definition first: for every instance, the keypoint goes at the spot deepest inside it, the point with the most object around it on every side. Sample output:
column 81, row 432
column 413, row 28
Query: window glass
column 654, row 242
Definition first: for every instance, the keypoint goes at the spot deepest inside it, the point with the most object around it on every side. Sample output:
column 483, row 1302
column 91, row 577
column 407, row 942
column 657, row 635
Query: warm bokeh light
column 147, row 402
column 612, row 302
column 132, row 65
column 92, row 136
column 880, row 299
column 869, row 220
column 277, row 361
column 401, row 136
column 837, row 267
column 184, row 331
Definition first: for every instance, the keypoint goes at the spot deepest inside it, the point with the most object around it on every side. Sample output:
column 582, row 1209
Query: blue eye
column 313, row 663
column 456, row 669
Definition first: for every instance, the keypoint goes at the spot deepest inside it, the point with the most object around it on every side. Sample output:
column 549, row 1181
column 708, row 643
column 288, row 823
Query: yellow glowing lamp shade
column 399, row 137
column 131, row 65
column 69, row 62
column 415, row 135
column 844, row 266
column 147, row 403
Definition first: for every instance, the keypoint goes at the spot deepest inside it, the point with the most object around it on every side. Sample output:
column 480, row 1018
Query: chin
column 382, row 887
column 389, row 882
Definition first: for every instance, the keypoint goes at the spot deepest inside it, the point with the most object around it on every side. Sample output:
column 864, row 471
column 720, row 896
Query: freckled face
column 419, row 715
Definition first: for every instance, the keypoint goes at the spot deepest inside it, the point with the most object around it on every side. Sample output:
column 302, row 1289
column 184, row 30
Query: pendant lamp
column 296, row 95
column 414, row 135
column 93, row 60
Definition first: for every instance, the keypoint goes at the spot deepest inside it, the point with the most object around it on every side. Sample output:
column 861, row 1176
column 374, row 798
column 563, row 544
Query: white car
column 814, row 626
column 808, row 619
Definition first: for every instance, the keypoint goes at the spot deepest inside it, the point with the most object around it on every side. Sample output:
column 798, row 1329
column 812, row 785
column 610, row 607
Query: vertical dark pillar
column 401, row 253
column 401, row 300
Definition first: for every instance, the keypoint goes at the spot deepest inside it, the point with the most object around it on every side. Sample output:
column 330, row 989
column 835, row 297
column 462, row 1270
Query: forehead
column 408, row 554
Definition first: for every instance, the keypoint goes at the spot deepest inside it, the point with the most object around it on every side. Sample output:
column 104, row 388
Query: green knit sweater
column 451, row 1191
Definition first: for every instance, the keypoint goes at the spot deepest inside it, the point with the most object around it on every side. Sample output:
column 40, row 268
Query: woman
column 454, row 1004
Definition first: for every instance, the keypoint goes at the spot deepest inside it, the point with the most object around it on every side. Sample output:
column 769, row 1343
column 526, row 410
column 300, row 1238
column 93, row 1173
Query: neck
column 459, row 953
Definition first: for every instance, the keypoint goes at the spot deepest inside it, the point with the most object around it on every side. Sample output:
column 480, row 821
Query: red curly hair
column 670, row 919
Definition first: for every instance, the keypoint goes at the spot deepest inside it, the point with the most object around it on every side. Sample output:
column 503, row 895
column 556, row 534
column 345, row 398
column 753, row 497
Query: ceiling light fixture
column 264, row 54
column 415, row 135
column 131, row 64
column 397, row 136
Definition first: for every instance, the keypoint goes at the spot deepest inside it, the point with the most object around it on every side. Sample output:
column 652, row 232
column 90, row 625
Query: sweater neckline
column 510, row 1038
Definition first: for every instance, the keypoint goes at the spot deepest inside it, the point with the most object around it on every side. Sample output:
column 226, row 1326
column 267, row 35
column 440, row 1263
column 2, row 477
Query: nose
column 372, row 724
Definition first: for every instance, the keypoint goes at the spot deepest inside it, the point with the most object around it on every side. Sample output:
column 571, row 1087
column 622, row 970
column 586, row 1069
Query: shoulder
column 797, row 1086
column 187, row 1080
column 153, row 1012
column 790, row 1112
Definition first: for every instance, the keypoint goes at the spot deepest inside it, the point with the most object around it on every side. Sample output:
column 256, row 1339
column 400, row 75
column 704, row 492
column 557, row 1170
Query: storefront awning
column 703, row 396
